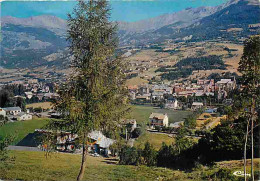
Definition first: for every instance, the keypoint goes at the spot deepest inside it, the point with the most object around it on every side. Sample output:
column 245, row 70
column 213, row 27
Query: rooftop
column 12, row 109
column 157, row 115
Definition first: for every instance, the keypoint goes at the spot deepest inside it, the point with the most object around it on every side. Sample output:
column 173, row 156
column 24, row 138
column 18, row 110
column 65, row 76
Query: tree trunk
column 245, row 149
column 252, row 149
column 83, row 163
column 252, row 138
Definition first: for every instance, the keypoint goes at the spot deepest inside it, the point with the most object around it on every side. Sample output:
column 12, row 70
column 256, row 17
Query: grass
column 44, row 105
column 34, row 166
column 142, row 113
column 29, row 165
column 155, row 139
column 20, row 129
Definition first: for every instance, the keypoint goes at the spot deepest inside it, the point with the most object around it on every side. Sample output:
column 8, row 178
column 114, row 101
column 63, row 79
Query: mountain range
column 41, row 40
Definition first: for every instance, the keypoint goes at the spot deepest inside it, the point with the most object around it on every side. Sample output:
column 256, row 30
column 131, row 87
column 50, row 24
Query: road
column 23, row 148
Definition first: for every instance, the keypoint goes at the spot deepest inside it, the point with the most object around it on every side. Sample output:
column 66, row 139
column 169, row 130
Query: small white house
column 12, row 110
column 176, row 125
column 172, row 104
column 196, row 105
column 2, row 112
column 159, row 119
column 29, row 95
column 22, row 116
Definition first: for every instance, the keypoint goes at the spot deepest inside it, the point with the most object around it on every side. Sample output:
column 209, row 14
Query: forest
column 184, row 67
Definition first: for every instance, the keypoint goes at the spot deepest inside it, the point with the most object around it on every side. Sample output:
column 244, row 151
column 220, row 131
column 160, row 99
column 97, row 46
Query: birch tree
column 94, row 97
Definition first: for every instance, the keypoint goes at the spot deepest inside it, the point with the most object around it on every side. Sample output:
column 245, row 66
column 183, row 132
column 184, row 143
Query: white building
column 2, row 112
column 226, row 84
column 176, row 125
column 12, row 110
column 29, row 95
column 159, row 119
column 196, row 105
column 22, row 116
column 171, row 104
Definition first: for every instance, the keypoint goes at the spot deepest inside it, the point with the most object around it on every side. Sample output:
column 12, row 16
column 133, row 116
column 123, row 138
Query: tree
column 149, row 155
column 191, row 121
column 182, row 142
column 249, row 66
column 20, row 102
column 137, row 132
column 129, row 156
column 4, row 156
column 94, row 97
column 165, row 156
column 3, row 120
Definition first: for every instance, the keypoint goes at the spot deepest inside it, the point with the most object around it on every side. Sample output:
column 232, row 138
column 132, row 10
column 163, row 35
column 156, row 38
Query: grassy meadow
column 142, row 113
column 28, row 165
column 59, row 166
column 155, row 139
column 20, row 129
column 44, row 105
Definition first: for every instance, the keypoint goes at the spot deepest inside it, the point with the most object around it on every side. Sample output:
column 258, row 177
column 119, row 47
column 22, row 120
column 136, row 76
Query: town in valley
column 189, row 108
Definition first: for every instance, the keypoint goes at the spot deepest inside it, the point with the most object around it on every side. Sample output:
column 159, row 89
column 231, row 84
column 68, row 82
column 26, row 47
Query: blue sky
column 125, row 10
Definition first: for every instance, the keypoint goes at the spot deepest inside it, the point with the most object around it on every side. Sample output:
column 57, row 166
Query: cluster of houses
column 209, row 115
column 204, row 87
column 35, row 89
column 149, row 93
column 170, row 93
column 15, row 114
column 66, row 142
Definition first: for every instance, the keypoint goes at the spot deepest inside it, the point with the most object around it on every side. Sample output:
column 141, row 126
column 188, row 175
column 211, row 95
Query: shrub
column 149, row 154
column 129, row 156
column 136, row 133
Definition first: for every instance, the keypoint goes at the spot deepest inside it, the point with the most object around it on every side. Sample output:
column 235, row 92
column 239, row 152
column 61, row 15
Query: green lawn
column 20, row 129
column 29, row 165
column 34, row 166
column 155, row 139
column 142, row 113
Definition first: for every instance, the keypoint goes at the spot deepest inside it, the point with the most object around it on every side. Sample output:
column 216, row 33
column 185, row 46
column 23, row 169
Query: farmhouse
column 159, row 119
column 12, row 110
column 65, row 141
column 100, row 143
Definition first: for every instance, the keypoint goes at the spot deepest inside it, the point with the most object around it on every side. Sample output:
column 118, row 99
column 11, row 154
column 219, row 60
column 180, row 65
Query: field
column 35, row 166
column 21, row 128
column 44, row 105
column 142, row 113
column 155, row 139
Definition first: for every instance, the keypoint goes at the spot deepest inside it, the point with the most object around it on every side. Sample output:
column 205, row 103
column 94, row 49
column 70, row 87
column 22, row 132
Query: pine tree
column 94, row 97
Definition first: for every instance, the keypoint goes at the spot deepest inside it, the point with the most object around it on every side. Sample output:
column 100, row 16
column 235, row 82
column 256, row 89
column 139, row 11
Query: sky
column 122, row 10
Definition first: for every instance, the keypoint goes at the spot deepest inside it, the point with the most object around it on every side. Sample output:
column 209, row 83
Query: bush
column 158, row 128
column 149, row 154
column 136, row 133
column 165, row 156
column 129, row 156
column 38, row 109
column 223, row 174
